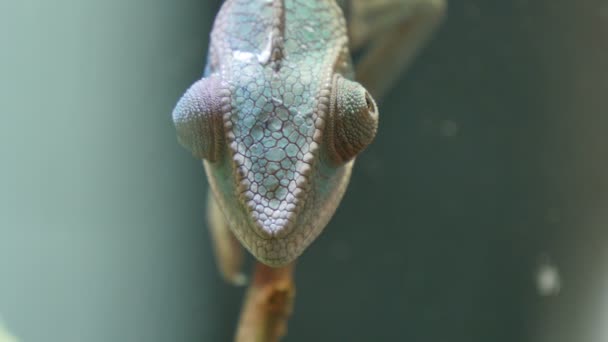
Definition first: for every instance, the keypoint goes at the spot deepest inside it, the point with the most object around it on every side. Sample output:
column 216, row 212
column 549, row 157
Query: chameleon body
column 277, row 121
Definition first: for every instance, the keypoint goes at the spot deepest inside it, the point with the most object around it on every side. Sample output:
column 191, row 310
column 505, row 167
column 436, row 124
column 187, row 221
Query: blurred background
column 479, row 213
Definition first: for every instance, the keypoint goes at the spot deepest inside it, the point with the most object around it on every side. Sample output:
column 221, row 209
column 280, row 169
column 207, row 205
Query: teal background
column 490, row 158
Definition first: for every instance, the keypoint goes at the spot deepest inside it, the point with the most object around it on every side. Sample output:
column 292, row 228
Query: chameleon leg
column 390, row 32
column 228, row 251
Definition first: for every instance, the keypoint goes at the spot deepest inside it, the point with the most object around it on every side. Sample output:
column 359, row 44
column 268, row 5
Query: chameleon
column 278, row 117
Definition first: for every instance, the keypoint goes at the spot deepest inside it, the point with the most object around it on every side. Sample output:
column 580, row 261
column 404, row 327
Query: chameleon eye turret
column 198, row 119
column 353, row 120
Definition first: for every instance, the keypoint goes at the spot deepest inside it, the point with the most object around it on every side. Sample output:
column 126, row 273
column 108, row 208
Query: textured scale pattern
column 276, row 64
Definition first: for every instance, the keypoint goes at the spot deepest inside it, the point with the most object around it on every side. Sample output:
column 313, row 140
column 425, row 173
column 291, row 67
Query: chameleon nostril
column 271, row 224
column 369, row 102
column 372, row 110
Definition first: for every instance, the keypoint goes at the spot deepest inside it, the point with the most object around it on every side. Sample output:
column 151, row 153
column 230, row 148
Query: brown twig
column 268, row 305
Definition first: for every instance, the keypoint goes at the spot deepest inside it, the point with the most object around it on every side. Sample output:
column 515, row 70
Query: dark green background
column 490, row 157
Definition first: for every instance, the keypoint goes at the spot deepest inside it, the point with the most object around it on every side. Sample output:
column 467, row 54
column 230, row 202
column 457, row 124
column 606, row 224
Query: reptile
column 279, row 118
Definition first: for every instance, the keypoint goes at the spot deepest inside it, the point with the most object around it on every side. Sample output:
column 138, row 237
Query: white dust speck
column 243, row 56
column 5, row 336
column 340, row 251
column 448, row 128
column 264, row 55
column 548, row 280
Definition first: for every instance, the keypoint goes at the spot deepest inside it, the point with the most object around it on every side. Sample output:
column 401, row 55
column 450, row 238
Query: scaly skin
column 277, row 121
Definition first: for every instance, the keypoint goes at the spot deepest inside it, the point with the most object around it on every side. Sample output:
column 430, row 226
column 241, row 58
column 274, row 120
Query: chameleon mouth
column 273, row 224
column 273, row 204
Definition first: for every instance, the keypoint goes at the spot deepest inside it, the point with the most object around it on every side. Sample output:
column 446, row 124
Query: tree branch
column 268, row 305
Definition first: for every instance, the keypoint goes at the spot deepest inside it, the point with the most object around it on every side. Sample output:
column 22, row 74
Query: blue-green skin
column 277, row 177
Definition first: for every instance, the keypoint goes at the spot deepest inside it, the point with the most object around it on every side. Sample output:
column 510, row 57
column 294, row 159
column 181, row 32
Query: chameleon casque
column 278, row 121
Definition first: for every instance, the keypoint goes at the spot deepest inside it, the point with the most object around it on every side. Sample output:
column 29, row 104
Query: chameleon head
column 277, row 172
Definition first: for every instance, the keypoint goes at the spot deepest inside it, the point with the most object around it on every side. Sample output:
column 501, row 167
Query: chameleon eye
column 353, row 120
column 198, row 119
